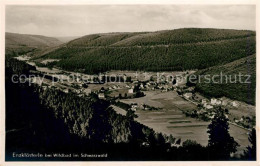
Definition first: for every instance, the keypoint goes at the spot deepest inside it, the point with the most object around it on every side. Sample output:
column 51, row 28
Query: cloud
column 81, row 20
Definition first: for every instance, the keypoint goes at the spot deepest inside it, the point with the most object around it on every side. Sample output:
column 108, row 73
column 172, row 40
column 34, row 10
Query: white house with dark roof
column 101, row 95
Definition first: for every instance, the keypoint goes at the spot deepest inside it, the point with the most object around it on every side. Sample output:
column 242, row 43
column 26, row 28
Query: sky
column 61, row 21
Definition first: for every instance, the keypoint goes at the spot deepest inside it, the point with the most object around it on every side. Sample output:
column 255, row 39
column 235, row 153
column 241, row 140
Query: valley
column 168, row 108
column 141, row 81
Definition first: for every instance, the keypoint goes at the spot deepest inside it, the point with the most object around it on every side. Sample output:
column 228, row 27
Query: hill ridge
column 163, row 45
column 17, row 44
column 163, row 37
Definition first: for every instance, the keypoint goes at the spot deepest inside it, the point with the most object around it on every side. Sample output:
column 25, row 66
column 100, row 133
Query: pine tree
column 220, row 144
column 250, row 153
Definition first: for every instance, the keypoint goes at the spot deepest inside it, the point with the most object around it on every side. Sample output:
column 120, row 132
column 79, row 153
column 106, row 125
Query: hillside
column 181, row 49
column 242, row 91
column 22, row 43
column 66, row 38
column 167, row 37
column 106, row 39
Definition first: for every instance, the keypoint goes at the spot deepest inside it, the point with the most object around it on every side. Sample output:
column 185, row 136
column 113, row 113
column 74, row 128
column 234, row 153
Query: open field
column 119, row 110
column 171, row 120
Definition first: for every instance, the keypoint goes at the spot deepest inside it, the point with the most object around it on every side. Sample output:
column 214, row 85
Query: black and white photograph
column 130, row 82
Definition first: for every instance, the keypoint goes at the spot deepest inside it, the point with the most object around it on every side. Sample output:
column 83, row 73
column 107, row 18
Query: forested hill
column 242, row 91
column 167, row 37
column 22, row 43
column 180, row 49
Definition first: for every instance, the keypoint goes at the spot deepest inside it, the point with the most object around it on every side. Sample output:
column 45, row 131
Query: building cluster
column 206, row 107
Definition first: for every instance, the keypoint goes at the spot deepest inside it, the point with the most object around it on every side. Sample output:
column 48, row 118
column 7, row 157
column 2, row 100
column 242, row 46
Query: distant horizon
column 76, row 20
column 131, row 32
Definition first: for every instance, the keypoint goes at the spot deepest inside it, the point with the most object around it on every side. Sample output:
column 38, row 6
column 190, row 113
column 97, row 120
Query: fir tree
column 250, row 153
column 220, row 144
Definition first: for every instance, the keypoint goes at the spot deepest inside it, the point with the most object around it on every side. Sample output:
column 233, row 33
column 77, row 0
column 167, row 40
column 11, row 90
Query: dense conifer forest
column 182, row 49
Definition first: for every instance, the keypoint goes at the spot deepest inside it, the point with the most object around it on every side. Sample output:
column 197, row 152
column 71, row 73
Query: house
column 213, row 101
column 77, row 90
column 218, row 102
column 131, row 90
column 207, row 106
column 102, row 89
column 235, row 104
column 212, row 117
column 66, row 90
column 203, row 101
column 224, row 102
column 187, row 95
column 101, row 95
column 114, row 87
column 142, row 86
column 142, row 106
column 160, row 87
column 134, row 107
column 191, row 89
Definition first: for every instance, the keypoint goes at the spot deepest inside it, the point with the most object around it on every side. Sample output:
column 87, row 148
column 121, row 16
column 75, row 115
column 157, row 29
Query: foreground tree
column 220, row 144
column 250, row 153
column 193, row 150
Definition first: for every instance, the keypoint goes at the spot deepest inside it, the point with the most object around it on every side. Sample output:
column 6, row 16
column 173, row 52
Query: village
column 114, row 85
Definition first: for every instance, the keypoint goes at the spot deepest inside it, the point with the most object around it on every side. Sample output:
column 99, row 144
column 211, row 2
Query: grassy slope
column 239, row 91
column 23, row 43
